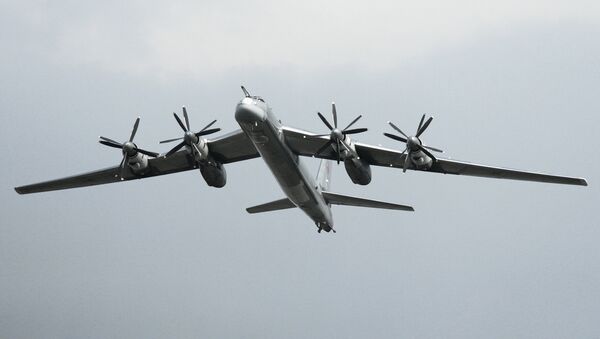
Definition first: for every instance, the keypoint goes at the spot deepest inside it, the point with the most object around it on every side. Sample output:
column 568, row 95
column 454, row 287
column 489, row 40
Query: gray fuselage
column 264, row 130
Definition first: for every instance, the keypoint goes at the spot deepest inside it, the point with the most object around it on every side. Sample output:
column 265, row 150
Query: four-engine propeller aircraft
column 263, row 135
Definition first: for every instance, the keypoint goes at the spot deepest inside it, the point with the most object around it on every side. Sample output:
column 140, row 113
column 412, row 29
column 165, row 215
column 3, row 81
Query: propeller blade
column 175, row 149
column 424, row 127
column 110, row 144
column 334, row 113
column 352, row 123
column 179, row 122
column 324, row 147
column 207, row 132
column 324, row 120
column 421, row 123
column 338, row 151
column 122, row 165
column 395, row 137
column 406, row 160
column 170, row 140
column 397, row 129
column 433, row 149
column 345, row 146
column 427, row 152
column 135, row 127
column 207, row 126
column 195, row 149
column 148, row 153
column 187, row 119
column 354, row 131
column 110, row 140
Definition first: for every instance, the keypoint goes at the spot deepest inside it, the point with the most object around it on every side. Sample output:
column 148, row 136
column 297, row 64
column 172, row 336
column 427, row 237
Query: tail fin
column 324, row 175
column 338, row 199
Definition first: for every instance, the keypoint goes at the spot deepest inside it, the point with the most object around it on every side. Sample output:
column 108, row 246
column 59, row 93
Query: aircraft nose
column 249, row 113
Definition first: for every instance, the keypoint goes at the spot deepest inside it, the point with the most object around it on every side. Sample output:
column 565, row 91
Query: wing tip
column 582, row 182
column 251, row 210
column 20, row 190
column 405, row 208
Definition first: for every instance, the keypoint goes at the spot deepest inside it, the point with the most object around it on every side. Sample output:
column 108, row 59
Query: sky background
column 510, row 83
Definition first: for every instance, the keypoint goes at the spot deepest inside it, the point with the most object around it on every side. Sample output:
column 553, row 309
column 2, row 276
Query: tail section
column 338, row 199
column 323, row 182
column 324, row 175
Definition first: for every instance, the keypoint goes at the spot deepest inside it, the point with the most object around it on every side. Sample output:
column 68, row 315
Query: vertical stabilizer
column 324, row 175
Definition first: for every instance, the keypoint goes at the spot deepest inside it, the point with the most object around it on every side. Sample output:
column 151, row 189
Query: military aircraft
column 263, row 135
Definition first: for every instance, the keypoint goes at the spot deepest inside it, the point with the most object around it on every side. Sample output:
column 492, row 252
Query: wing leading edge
column 447, row 166
column 380, row 156
column 228, row 148
column 103, row 176
column 307, row 144
column 178, row 162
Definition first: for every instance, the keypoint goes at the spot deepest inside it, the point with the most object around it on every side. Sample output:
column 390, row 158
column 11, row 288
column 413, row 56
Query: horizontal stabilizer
column 276, row 205
column 338, row 199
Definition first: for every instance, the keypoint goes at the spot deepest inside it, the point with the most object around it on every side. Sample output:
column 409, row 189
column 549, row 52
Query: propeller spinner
column 413, row 143
column 336, row 136
column 189, row 138
column 128, row 148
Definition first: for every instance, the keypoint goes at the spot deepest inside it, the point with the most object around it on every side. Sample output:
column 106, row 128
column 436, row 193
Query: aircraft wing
column 308, row 143
column 228, row 148
column 232, row 147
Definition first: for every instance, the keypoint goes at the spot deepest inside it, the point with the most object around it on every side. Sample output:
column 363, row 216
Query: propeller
column 189, row 138
column 336, row 136
column 128, row 148
column 413, row 143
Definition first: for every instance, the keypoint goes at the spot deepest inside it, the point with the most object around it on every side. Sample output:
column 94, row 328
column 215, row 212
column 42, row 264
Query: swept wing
column 308, row 144
column 228, row 148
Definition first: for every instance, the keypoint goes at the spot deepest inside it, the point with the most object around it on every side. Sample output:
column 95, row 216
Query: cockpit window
column 258, row 98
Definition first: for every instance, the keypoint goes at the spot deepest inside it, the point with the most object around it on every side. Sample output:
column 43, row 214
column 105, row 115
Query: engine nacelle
column 138, row 163
column 358, row 170
column 420, row 160
column 202, row 146
column 214, row 173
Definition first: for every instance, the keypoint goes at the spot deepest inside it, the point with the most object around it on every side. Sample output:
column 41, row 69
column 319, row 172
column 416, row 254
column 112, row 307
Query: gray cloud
column 170, row 257
column 207, row 38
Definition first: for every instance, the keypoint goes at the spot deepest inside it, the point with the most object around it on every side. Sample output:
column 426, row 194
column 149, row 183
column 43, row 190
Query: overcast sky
column 509, row 83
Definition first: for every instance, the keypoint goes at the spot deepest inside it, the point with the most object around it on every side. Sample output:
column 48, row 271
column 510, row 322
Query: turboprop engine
column 358, row 170
column 212, row 171
column 135, row 157
column 138, row 163
column 416, row 154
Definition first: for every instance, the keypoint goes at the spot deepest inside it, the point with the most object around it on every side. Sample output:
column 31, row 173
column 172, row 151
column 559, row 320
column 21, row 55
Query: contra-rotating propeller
column 336, row 135
column 129, row 148
column 413, row 143
column 189, row 138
